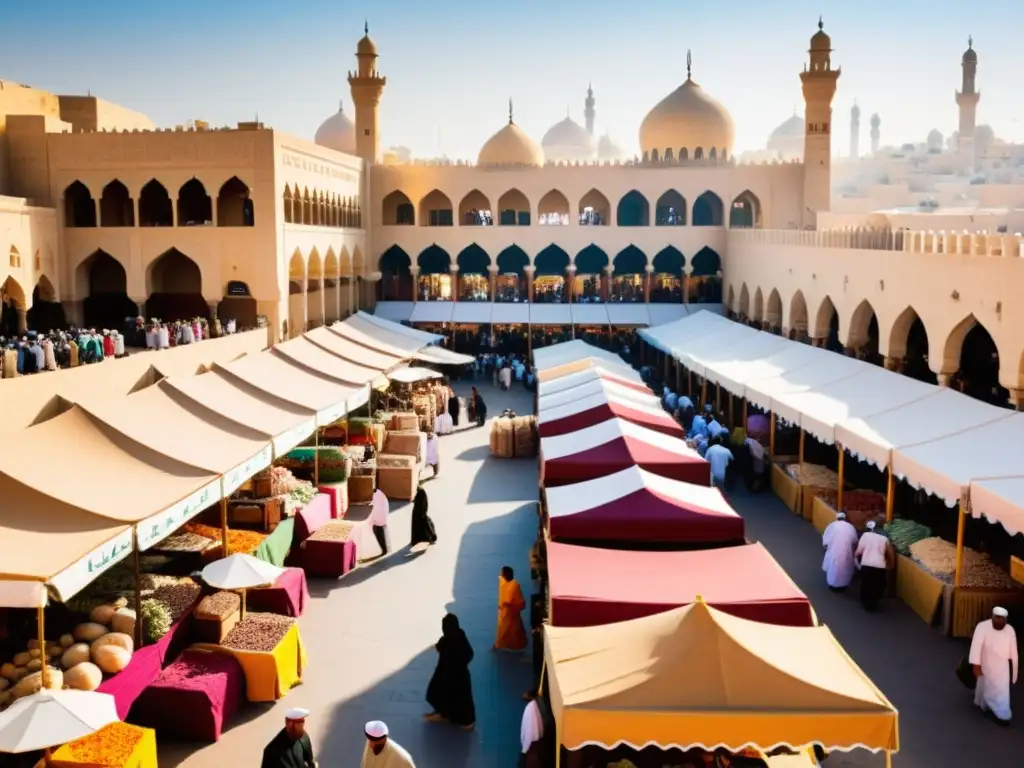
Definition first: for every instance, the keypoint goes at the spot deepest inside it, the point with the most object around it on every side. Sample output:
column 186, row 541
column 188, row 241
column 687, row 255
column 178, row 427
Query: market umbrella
column 50, row 718
column 241, row 572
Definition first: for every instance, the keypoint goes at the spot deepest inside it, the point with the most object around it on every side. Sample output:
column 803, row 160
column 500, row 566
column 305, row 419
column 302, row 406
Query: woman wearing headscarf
column 422, row 525
column 450, row 692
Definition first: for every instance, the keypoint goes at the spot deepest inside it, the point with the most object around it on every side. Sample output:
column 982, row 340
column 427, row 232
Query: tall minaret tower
column 819, row 86
column 967, row 100
column 588, row 112
column 876, row 134
column 367, row 85
column 855, row 132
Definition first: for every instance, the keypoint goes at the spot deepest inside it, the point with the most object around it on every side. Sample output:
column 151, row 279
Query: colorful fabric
column 511, row 633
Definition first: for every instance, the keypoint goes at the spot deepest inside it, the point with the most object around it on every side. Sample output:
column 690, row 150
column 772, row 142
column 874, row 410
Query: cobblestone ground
column 370, row 636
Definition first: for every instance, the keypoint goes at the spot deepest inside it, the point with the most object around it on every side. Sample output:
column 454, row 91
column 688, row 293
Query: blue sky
column 452, row 65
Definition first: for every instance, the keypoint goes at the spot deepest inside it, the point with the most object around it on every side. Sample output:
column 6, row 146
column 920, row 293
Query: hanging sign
column 158, row 527
column 75, row 578
column 285, row 442
column 233, row 479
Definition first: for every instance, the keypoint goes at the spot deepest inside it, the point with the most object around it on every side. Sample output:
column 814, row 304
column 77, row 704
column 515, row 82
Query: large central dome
column 687, row 119
column 511, row 146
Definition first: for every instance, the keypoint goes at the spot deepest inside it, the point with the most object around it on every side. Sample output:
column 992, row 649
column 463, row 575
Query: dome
column 934, row 140
column 875, row 120
column 820, row 41
column 790, row 129
column 567, row 133
column 970, row 55
column 366, row 46
column 511, row 146
column 337, row 132
column 687, row 118
column 608, row 149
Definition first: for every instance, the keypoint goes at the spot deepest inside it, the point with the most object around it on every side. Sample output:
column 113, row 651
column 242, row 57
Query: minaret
column 367, row 85
column 855, row 132
column 588, row 112
column 967, row 100
column 876, row 123
column 819, row 86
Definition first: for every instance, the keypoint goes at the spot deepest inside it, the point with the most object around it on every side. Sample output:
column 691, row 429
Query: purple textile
column 288, row 597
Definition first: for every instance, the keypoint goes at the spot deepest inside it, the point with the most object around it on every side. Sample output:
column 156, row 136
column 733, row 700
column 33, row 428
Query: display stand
column 338, row 495
column 785, row 487
column 287, row 597
column 269, row 675
column 822, row 514
column 920, row 590
column 142, row 755
column 974, row 604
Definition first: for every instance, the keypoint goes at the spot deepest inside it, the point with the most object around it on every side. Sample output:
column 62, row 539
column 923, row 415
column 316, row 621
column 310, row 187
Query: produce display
column 813, row 475
column 186, row 541
column 938, row 557
column 239, row 542
column 178, row 598
column 336, row 530
column 219, row 605
column 156, row 620
column 903, row 533
column 259, row 632
column 855, row 501
column 112, row 745
column 332, row 462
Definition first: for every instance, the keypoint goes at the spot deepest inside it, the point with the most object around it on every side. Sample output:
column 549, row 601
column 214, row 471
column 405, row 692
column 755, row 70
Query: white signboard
column 73, row 579
column 285, row 442
column 328, row 416
column 233, row 479
column 158, row 527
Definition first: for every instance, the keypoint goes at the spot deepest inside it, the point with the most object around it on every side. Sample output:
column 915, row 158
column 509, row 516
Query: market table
column 276, row 546
column 338, row 494
column 128, row 684
column 287, row 597
column 785, row 487
column 100, row 749
column 193, row 697
column 327, row 553
column 269, row 675
column 311, row 518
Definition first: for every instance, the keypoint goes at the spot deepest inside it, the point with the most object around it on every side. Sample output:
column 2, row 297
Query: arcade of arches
column 192, row 206
column 967, row 357
column 321, row 209
column 551, row 276
column 321, row 290
column 514, row 209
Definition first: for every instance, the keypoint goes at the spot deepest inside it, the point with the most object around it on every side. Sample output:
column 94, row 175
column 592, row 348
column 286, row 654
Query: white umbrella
column 240, row 572
column 49, row 718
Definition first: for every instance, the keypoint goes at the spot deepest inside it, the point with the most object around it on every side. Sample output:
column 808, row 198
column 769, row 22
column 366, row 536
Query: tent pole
column 703, row 392
column 960, row 526
column 137, row 557
column 842, row 471
column 771, row 435
column 744, row 414
column 540, row 684
column 558, row 746
column 41, row 628
column 718, row 397
column 224, row 527
column 689, row 383
column 732, row 408
column 316, row 458
column 890, row 494
column 800, row 457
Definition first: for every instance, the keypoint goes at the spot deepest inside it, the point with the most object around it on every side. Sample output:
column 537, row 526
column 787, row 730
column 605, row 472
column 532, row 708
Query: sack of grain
column 502, row 438
column 525, row 445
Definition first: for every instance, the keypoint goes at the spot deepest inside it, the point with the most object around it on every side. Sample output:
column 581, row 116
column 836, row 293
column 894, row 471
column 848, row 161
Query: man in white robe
column 382, row 752
column 840, row 542
column 993, row 653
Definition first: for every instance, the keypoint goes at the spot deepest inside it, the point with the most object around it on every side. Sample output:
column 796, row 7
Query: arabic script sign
column 156, row 528
column 76, row 577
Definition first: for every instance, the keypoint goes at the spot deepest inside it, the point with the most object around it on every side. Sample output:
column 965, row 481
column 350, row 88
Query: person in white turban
column 381, row 751
column 994, row 659
column 291, row 748
column 840, row 542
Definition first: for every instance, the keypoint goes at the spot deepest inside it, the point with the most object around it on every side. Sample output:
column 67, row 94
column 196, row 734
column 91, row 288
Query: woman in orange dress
column 511, row 634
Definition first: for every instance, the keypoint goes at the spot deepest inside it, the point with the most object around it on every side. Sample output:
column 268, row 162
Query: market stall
column 367, row 358
column 696, row 676
column 584, row 364
column 567, row 352
column 598, row 387
column 635, row 506
column 589, row 375
column 589, row 586
column 303, row 352
column 594, row 409
column 615, row 445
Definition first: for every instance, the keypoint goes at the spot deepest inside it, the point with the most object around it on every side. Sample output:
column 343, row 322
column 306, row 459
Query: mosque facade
column 103, row 215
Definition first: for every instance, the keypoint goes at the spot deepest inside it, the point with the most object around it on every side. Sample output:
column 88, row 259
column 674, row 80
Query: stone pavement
column 370, row 636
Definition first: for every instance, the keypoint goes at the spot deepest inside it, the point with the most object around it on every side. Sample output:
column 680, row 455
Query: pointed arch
column 899, row 335
column 330, row 265
column 774, row 309
column 234, row 204
column 397, row 209
column 289, row 212
column 435, row 210
column 473, row 260
column 297, row 267
column 798, row 313
column 11, row 290
column 434, row 260
column 117, row 209
column 345, row 262
column 630, row 261
column 552, row 261
column 730, row 301
column 155, row 206
column 633, row 210
column 952, row 349
column 758, row 314
column 553, row 209
column 474, row 209
column 79, row 206
column 47, row 312
column 314, row 266
column 175, row 284
column 513, row 209
column 708, row 210
column 972, row 352
column 745, row 211
column 859, row 331
column 594, row 209
column 669, row 261
column 195, row 209
column 44, row 290
column 512, row 260
column 824, row 319
column 591, row 261
column 706, row 262
column 743, row 308
column 670, row 210
column 396, row 282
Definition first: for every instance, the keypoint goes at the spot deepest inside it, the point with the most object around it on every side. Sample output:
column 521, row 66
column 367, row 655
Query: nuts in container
column 219, row 605
column 259, row 632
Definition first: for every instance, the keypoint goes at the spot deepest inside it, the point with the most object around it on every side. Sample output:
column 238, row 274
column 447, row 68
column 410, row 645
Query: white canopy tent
column 720, row 338
column 547, row 412
column 735, row 375
column 424, row 338
column 822, row 368
column 596, row 387
column 670, row 337
column 571, row 352
column 413, row 374
column 759, row 346
column 586, row 376
column 1001, row 500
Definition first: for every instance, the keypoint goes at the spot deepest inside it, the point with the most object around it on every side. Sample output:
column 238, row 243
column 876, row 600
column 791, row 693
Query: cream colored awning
column 368, row 356
column 303, row 351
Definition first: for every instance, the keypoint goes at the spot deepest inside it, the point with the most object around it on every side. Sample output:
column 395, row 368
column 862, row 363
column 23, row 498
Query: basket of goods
column 263, row 483
column 398, row 476
column 259, row 632
column 362, row 482
column 938, row 557
column 216, row 615
column 405, row 443
column 814, row 480
column 860, row 506
column 524, row 430
column 404, row 421
column 263, row 513
column 903, row 533
column 330, row 552
column 239, row 541
column 502, row 437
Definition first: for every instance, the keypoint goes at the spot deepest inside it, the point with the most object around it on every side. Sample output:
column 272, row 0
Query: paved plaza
column 370, row 636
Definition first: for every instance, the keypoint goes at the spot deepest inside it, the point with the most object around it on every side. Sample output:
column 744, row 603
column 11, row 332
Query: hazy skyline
column 452, row 67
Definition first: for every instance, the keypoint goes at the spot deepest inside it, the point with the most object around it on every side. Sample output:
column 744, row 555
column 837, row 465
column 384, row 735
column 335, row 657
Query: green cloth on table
column 276, row 546
column 308, row 453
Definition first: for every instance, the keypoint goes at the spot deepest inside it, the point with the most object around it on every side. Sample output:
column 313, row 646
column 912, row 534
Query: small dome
column 567, row 133
column 687, row 118
column 820, row 41
column 791, row 128
column 337, row 132
column 608, row 149
column 511, row 146
column 970, row 55
column 366, row 46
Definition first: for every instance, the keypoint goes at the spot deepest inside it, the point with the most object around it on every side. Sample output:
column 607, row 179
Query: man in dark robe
column 291, row 748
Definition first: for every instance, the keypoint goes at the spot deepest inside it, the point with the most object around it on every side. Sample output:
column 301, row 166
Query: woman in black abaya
column 450, row 692
column 422, row 526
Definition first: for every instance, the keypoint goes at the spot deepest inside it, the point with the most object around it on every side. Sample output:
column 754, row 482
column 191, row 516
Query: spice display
column 156, row 620
column 110, row 746
column 239, row 542
column 258, row 632
column 336, row 530
column 303, row 494
column 903, row 533
column 186, row 541
column 219, row 605
column 938, row 557
column 177, row 597
column 814, row 475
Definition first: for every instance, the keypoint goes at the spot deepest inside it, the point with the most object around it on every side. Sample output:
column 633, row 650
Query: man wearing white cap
column 382, row 752
column 993, row 654
column 840, row 542
column 291, row 748
column 875, row 555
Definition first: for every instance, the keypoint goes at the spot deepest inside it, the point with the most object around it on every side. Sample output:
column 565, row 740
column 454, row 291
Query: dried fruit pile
column 109, row 746
column 239, row 542
column 219, row 605
column 187, row 541
column 334, row 531
column 177, row 597
column 258, row 632
column 813, row 474
column 938, row 557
